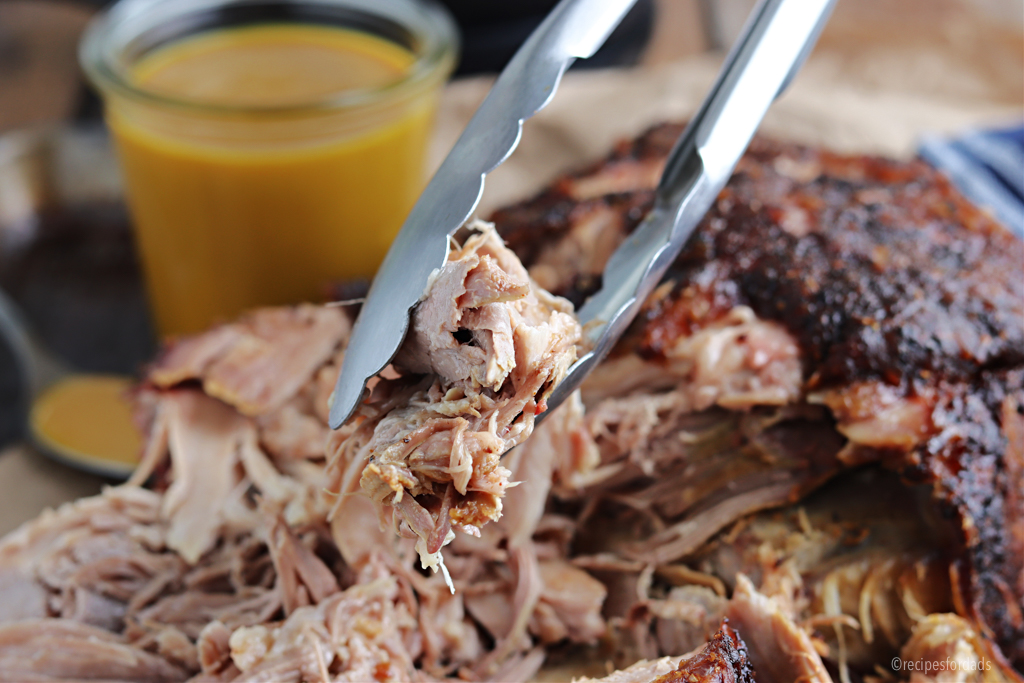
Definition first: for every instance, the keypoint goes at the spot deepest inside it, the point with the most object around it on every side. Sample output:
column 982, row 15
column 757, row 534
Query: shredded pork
column 484, row 350
column 721, row 465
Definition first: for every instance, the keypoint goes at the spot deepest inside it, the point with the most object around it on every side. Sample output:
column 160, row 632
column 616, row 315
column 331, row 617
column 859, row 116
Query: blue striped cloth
column 988, row 167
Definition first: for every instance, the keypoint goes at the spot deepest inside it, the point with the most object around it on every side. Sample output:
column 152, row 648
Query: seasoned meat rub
column 722, row 660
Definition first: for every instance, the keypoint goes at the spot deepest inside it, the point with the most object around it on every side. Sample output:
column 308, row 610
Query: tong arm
column 776, row 40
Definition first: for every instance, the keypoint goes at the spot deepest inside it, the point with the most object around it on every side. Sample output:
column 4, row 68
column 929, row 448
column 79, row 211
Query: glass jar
column 247, row 190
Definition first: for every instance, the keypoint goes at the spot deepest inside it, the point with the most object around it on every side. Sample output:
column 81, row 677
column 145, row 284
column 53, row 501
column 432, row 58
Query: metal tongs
column 774, row 43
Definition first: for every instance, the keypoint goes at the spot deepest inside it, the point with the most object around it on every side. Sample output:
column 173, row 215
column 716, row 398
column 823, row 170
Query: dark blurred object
column 988, row 167
column 13, row 388
column 493, row 31
column 67, row 258
column 78, row 283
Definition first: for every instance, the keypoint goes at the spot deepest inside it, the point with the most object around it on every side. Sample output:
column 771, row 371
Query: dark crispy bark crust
column 896, row 273
column 722, row 660
column 883, row 273
column 976, row 460
column 879, row 268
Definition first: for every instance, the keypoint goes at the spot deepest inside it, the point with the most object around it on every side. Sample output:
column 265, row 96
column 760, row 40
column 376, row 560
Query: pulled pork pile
column 804, row 460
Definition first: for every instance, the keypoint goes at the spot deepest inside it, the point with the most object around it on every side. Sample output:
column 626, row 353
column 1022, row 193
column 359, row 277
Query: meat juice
column 287, row 170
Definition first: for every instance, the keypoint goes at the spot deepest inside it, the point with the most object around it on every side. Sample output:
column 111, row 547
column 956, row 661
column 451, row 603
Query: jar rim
column 111, row 32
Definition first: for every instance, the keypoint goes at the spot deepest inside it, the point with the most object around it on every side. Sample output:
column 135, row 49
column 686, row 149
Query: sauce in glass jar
column 262, row 161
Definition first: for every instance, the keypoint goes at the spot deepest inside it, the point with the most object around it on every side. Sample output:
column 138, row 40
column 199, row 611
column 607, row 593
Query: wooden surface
column 30, row 483
column 872, row 40
column 40, row 81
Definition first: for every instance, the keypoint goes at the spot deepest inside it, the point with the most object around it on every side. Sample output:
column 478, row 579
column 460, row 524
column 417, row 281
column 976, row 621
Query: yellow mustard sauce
column 231, row 220
column 88, row 419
